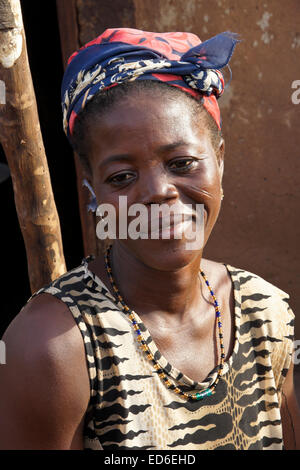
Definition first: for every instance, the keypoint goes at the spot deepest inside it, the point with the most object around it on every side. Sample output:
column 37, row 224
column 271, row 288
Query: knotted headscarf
column 125, row 54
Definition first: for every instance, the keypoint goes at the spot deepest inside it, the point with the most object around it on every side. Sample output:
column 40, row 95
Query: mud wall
column 259, row 227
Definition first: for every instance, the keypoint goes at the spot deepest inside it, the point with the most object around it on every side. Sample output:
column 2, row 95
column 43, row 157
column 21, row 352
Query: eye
column 120, row 178
column 183, row 164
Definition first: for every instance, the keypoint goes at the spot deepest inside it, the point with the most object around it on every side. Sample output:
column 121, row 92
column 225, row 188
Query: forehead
column 145, row 123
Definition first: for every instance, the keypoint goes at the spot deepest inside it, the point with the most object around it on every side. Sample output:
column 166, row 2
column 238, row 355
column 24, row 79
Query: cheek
column 205, row 188
column 207, row 181
column 104, row 193
column 111, row 199
column 213, row 174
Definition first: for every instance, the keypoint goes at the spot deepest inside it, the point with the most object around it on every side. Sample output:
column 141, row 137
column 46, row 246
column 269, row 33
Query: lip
column 172, row 220
column 175, row 230
column 169, row 226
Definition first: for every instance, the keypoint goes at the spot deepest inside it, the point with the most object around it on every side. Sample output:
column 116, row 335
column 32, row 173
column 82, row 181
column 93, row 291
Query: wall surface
column 259, row 227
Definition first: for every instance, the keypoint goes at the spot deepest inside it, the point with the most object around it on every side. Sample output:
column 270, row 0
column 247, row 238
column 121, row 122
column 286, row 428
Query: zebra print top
column 130, row 407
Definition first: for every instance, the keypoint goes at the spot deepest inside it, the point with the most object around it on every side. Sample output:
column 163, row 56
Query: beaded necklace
column 143, row 344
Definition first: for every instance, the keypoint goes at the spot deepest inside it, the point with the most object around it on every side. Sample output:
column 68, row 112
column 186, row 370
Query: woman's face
column 154, row 150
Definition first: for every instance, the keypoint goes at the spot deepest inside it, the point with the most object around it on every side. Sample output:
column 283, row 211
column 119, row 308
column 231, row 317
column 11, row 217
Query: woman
column 163, row 349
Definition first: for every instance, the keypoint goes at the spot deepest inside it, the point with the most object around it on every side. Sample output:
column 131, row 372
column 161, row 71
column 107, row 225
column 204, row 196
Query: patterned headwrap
column 125, row 54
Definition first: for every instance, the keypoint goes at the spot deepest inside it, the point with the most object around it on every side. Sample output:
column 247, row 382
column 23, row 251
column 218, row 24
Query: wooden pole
column 21, row 139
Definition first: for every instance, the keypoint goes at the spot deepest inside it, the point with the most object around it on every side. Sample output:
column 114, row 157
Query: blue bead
column 219, row 324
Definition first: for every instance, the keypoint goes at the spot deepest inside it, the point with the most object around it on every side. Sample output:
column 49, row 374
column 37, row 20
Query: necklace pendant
column 206, row 393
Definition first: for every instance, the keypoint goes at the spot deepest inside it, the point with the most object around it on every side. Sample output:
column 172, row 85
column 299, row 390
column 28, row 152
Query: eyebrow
column 114, row 158
column 168, row 147
column 128, row 157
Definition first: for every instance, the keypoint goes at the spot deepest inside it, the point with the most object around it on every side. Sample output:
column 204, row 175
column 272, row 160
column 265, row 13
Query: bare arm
column 290, row 413
column 44, row 385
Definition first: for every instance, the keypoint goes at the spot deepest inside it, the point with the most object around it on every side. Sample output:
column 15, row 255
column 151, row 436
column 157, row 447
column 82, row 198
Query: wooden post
column 21, row 139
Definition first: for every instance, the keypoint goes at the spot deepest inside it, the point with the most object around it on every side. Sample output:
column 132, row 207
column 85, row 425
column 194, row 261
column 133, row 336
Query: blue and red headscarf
column 125, row 54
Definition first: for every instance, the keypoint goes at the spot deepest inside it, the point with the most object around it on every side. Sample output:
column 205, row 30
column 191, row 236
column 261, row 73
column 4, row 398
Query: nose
column 156, row 187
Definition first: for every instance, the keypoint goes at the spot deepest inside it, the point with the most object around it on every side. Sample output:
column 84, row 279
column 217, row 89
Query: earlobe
column 221, row 169
column 220, row 157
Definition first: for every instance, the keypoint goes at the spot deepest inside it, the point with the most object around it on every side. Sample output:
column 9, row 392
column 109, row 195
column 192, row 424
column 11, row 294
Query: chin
column 163, row 255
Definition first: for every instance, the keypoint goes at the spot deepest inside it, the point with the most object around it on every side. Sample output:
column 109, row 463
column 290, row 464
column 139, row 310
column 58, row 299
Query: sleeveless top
column 130, row 407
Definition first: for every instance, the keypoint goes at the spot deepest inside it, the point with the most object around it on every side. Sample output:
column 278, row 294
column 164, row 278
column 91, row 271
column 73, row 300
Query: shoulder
column 44, row 332
column 265, row 311
column 266, row 318
column 254, row 288
column 45, row 378
column 217, row 273
column 258, row 298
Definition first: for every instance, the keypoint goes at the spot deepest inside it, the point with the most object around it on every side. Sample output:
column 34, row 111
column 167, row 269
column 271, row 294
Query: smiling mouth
column 164, row 226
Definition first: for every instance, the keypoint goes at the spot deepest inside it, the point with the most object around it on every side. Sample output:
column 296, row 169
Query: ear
column 92, row 206
column 220, row 157
column 83, row 167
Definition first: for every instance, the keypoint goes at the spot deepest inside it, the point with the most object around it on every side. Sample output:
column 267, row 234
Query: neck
column 147, row 290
